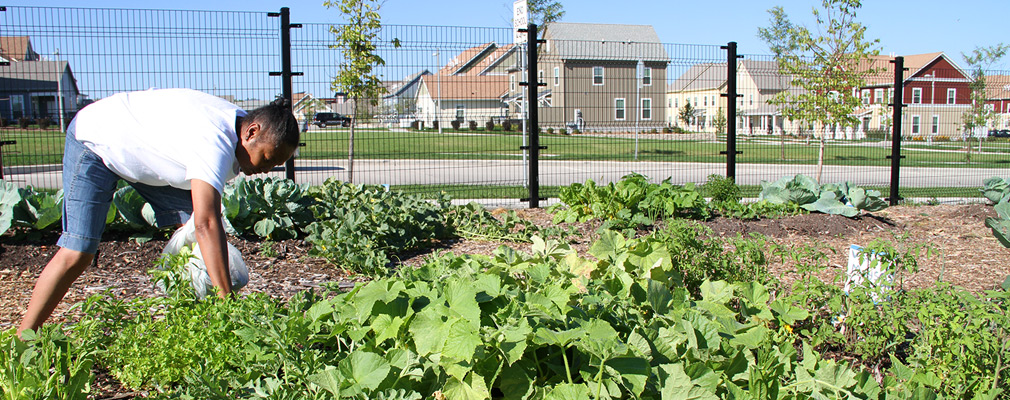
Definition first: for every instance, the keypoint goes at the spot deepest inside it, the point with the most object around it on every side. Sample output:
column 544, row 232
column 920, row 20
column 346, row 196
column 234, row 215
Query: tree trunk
column 820, row 158
column 350, row 145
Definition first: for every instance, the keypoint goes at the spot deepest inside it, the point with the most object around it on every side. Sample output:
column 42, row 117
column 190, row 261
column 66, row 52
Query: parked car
column 325, row 119
column 1001, row 133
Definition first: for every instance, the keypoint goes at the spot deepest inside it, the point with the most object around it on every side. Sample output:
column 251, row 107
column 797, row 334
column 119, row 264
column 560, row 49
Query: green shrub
column 455, row 124
column 722, row 189
column 472, row 125
column 489, row 126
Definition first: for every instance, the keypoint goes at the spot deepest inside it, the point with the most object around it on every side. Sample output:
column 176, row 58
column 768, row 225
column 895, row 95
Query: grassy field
column 385, row 144
column 36, row 146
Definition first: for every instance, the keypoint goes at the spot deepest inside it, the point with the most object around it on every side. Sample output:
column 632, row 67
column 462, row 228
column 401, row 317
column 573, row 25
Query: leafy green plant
column 996, row 190
column 39, row 210
column 754, row 210
column 270, row 208
column 543, row 324
column 631, row 202
column 833, row 198
column 361, row 227
column 721, row 189
column 472, row 221
column 46, row 365
column 9, row 199
column 1001, row 225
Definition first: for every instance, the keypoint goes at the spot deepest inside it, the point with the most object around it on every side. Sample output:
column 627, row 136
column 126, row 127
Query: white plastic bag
column 186, row 236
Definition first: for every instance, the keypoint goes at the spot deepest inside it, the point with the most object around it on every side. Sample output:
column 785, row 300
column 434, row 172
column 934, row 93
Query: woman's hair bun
column 280, row 101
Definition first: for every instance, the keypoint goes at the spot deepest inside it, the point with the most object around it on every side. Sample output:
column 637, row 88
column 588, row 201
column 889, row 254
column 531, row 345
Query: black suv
column 1001, row 133
column 324, row 119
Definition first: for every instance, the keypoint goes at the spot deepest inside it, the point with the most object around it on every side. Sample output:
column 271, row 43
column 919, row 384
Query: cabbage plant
column 833, row 198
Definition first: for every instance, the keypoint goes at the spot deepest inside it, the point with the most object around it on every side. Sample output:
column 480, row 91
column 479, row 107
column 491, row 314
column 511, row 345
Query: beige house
column 470, row 87
column 703, row 86
column 599, row 78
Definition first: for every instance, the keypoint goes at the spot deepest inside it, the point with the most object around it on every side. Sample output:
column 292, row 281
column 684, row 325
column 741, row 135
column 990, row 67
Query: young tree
column 355, row 77
column 826, row 63
column 979, row 116
column 719, row 121
column 687, row 113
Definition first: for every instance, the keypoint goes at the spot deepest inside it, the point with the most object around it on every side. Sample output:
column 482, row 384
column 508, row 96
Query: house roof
column 703, row 76
column 497, row 57
column 17, row 48
column 914, row 62
column 405, row 84
column 465, row 87
column 575, row 41
column 708, row 76
column 997, row 87
column 35, row 75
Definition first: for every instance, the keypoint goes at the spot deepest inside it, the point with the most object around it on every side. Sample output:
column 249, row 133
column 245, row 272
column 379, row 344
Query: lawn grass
column 36, row 146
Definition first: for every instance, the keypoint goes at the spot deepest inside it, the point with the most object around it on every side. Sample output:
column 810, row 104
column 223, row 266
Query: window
column 460, row 112
column 17, row 105
column 695, row 102
column 936, row 125
column 915, row 124
column 951, row 95
column 713, row 100
column 878, row 96
column 676, row 103
column 647, row 76
column 916, row 95
column 512, row 83
column 865, row 95
column 619, row 109
column 705, row 100
column 540, row 76
column 557, row 76
column 646, row 108
column 597, row 76
column 750, row 99
column 890, row 94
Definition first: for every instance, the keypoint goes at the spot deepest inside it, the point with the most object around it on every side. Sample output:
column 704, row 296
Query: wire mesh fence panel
column 953, row 128
column 58, row 60
column 439, row 125
column 612, row 106
column 611, row 100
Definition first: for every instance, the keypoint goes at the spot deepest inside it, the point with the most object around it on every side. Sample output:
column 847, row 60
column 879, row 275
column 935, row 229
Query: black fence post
column 731, row 95
column 286, row 73
column 898, row 103
column 532, row 84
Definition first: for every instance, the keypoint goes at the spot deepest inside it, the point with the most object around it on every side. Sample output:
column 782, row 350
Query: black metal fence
column 610, row 100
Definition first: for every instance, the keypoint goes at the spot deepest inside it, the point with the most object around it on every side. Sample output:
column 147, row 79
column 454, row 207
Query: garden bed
column 965, row 254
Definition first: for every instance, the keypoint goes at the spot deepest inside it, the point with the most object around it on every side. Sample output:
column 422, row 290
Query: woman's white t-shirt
column 163, row 137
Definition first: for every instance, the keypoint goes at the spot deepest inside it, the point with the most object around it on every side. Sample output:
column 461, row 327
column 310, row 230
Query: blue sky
column 903, row 27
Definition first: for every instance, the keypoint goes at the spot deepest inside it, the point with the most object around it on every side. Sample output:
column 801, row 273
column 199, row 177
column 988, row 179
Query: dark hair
column 278, row 122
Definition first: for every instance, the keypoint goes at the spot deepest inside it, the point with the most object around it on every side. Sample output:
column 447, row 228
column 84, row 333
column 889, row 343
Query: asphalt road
column 498, row 172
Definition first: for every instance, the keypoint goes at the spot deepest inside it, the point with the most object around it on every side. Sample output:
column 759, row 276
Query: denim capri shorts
column 88, row 187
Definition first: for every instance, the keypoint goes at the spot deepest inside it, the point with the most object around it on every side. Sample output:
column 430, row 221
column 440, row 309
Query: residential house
column 400, row 102
column 936, row 94
column 37, row 89
column 470, row 87
column 599, row 77
column 997, row 94
column 703, row 86
column 16, row 49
